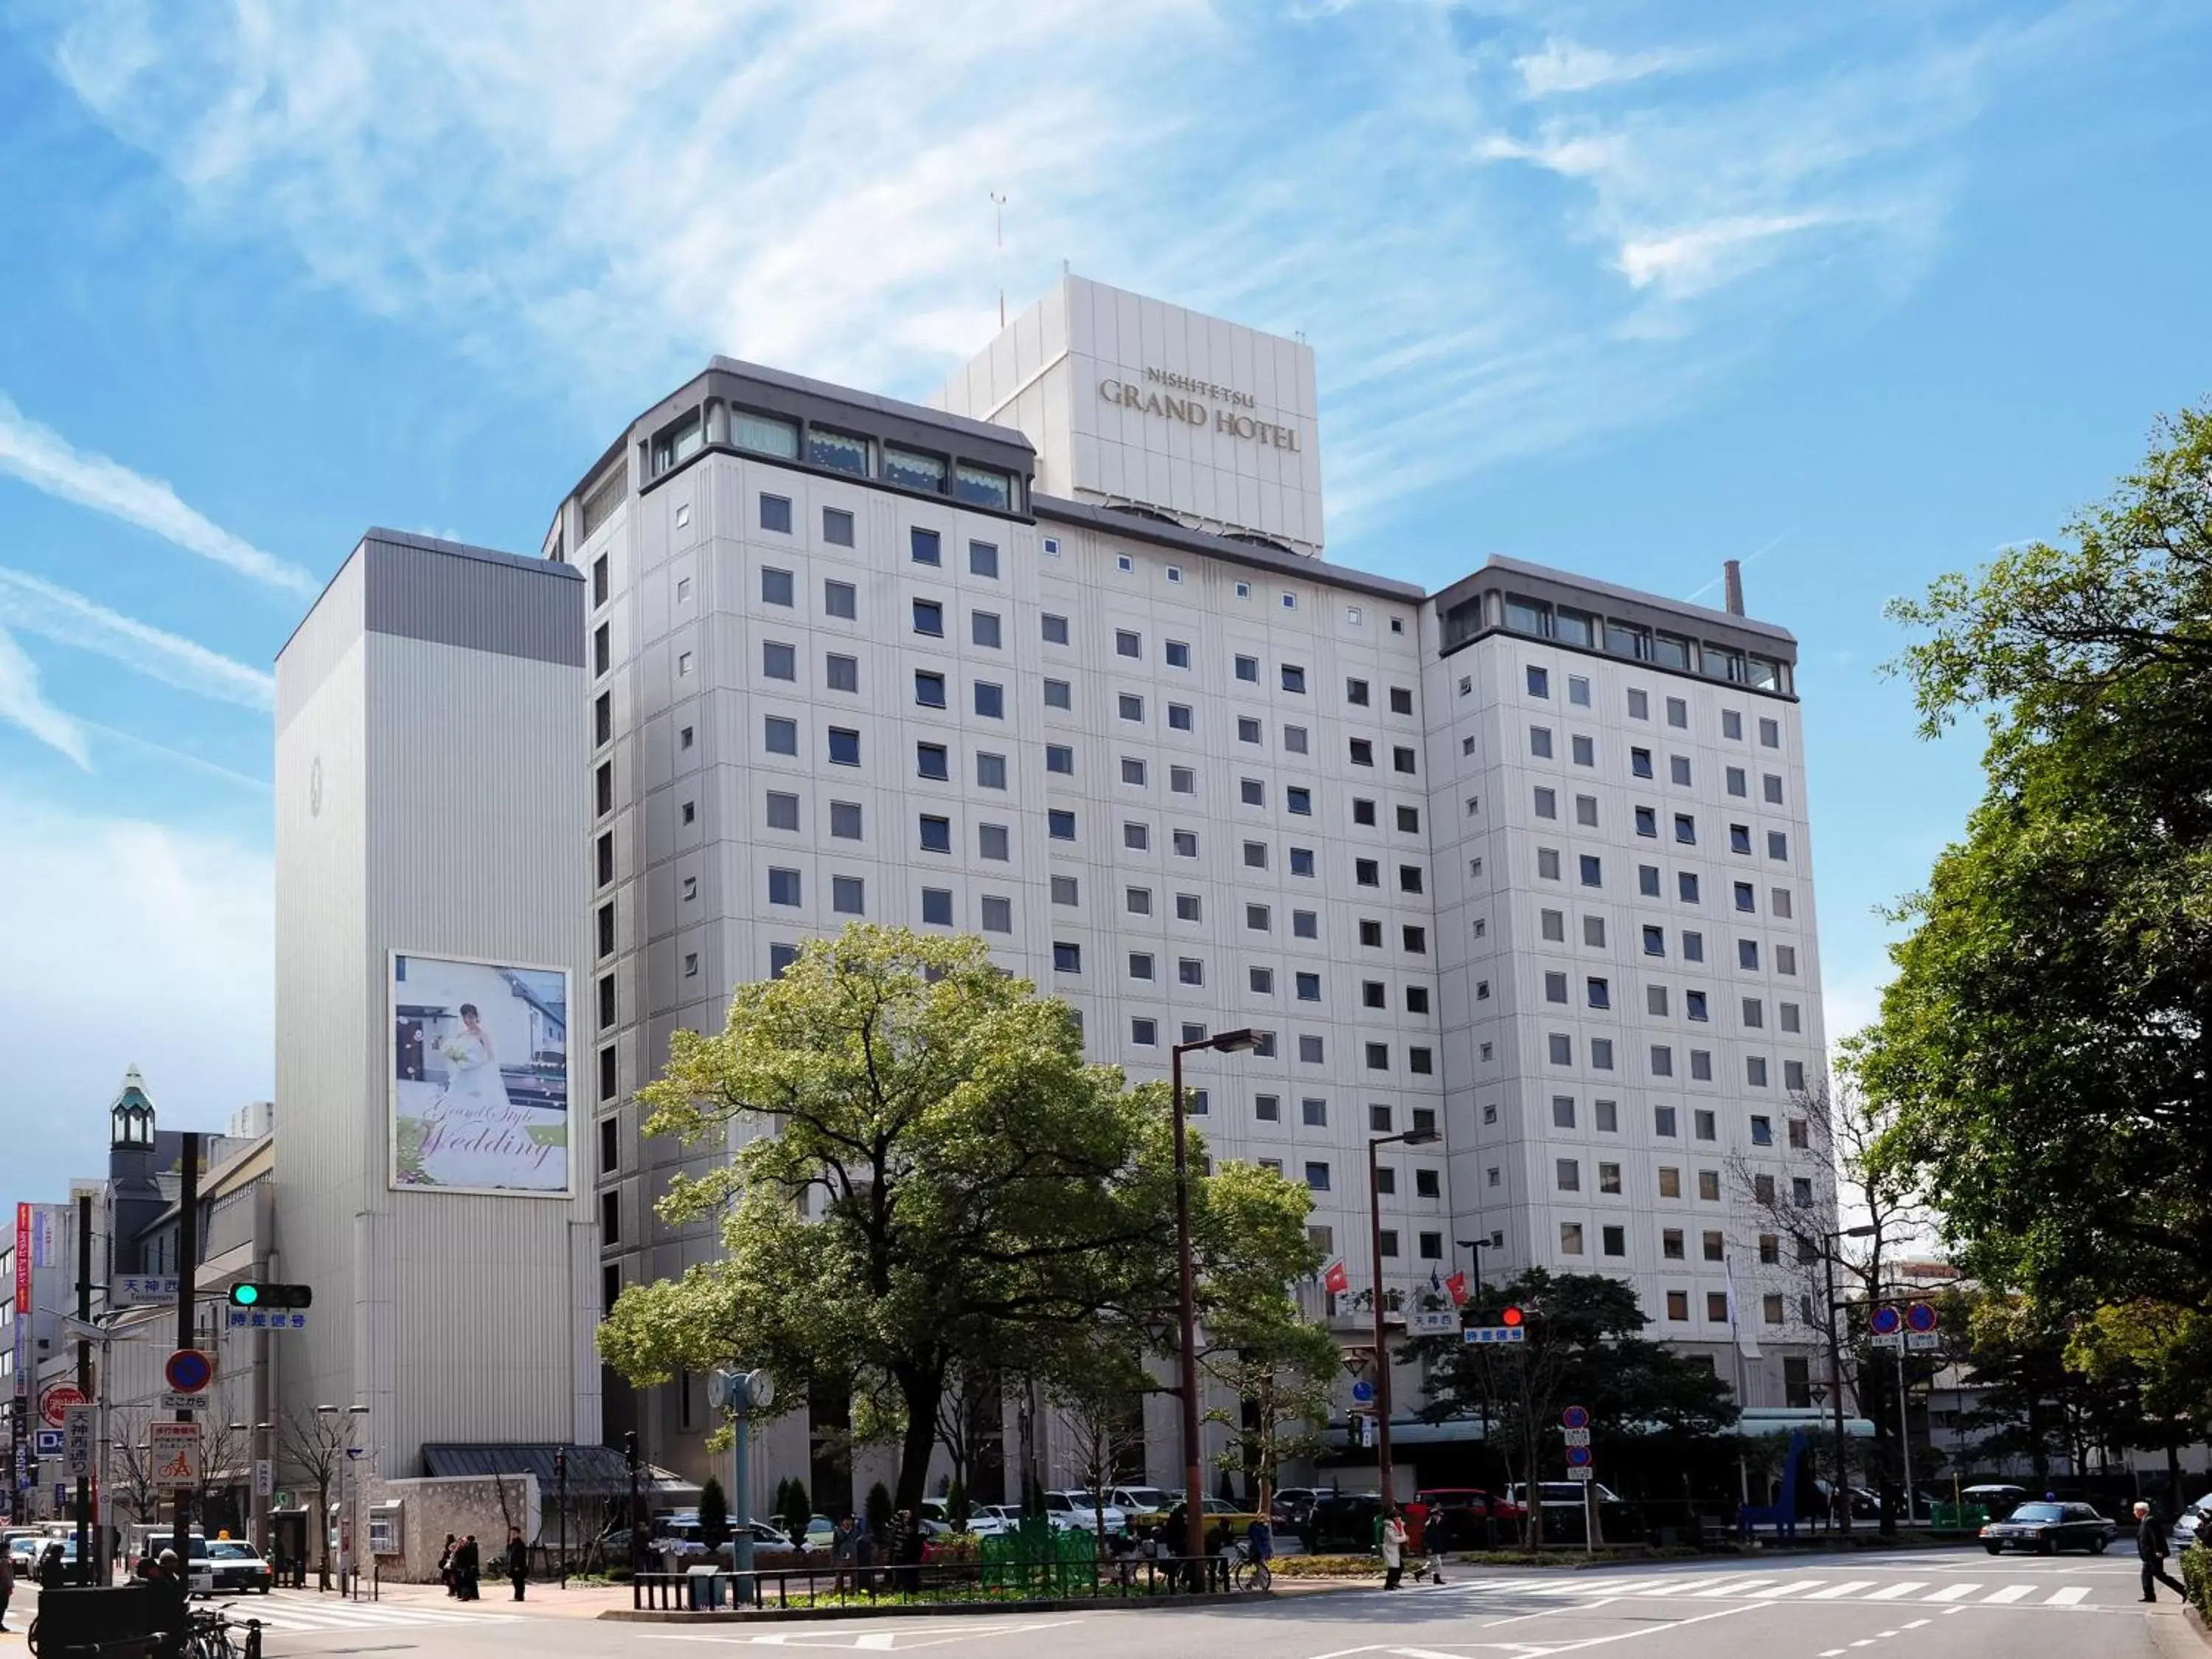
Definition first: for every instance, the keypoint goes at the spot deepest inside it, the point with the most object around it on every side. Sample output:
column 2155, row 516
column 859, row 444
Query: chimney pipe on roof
column 1732, row 571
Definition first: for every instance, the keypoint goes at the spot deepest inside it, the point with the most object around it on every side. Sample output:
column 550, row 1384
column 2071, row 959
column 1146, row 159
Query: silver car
column 2187, row 1524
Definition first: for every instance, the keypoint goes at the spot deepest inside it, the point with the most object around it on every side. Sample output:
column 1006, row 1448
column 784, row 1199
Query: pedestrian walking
column 1423, row 1530
column 2151, row 1549
column 7, row 1585
column 447, row 1576
column 518, row 1560
column 1390, row 1539
column 1259, row 1550
column 468, row 1563
column 844, row 1555
column 53, row 1570
column 1219, row 1541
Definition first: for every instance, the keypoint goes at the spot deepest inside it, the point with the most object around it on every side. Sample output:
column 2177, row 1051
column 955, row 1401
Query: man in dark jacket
column 518, row 1560
column 2150, row 1548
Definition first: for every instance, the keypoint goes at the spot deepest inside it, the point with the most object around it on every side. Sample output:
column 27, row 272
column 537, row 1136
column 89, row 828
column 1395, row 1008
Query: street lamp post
column 1837, row 1492
column 1193, row 1511
column 1409, row 1138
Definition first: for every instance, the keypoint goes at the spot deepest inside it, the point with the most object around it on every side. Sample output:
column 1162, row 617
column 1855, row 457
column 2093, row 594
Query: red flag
column 1336, row 1281
column 1457, row 1284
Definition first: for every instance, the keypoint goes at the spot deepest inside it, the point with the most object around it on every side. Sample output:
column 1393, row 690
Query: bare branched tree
column 315, row 1447
column 1833, row 1206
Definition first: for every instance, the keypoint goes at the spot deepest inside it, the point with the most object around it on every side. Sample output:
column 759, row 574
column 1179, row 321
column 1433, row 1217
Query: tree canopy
column 2045, row 1040
column 924, row 1176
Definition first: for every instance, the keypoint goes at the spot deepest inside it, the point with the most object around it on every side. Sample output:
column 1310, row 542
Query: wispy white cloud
column 191, row 763
column 31, row 605
column 809, row 188
column 1565, row 66
column 45, row 460
column 23, row 703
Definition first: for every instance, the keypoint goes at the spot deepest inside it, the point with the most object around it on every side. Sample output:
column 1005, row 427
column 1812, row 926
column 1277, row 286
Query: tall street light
column 1193, row 1513
column 1837, row 1494
column 1409, row 1138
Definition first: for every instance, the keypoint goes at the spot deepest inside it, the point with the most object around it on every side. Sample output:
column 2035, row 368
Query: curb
column 946, row 1610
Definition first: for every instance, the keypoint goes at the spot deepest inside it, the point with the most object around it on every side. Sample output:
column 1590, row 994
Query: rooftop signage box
column 1132, row 402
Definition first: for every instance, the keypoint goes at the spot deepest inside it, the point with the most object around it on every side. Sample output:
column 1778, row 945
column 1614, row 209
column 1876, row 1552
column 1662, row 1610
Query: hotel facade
column 1058, row 659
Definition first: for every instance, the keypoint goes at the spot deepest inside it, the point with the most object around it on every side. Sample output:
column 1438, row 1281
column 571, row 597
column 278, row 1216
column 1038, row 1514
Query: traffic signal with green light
column 269, row 1297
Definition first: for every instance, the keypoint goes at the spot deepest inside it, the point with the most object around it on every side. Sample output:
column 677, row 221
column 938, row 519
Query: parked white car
column 1078, row 1511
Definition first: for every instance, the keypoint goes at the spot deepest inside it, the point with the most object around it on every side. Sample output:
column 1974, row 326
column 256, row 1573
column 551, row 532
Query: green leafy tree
column 919, row 1129
column 1278, row 1367
column 2034, row 1404
column 714, row 1514
column 2163, row 1353
column 795, row 1510
column 1586, row 1348
column 2045, row 1040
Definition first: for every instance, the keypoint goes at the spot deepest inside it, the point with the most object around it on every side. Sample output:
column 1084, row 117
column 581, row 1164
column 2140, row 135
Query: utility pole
column 88, row 1568
column 1837, row 1496
column 561, row 1481
column 188, row 1250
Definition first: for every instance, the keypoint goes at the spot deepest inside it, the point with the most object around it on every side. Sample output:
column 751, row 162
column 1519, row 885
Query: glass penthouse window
column 911, row 470
column 983, row 486
column 678, row 442
column 764, row 434
column 840, row 451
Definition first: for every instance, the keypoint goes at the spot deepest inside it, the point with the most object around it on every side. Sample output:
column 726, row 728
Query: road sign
column 1575, row 1437
column 254, row 1319
column 143, row 1291
column 1575, row 1417
column 1581, row 1472
column 174, row 1452
column 49, row 1443
column 188, row 1370
column 1921, row 1316
column 1892, row 1341
column 1482, row 1333
column 1433, row 1321
column 1922, row 1341
column 1578, row 1457
column 173, row 1402
column 264, row 1477
column 61, row 1497
column 1363, row 1391
column 57, row 1399
column 1885, row 1319
column 284, row 1500
column 76, row 1440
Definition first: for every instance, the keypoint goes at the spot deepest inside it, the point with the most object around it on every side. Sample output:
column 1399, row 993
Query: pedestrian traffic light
column 267, row 1296
column 560, row 1462
column 629, row 1448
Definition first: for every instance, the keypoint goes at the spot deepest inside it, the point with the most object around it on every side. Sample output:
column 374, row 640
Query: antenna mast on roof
column 999, row 213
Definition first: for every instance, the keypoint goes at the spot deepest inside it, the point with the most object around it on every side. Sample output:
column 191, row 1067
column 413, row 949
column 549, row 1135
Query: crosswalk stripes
column 280, row 1612
column 1738, row 1587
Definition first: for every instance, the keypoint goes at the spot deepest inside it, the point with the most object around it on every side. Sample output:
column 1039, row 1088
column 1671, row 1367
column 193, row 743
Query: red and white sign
column 54, row 1403
column 22, row 1300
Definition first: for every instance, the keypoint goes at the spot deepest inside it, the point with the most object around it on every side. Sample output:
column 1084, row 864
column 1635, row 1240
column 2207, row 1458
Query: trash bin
column 705, row 1584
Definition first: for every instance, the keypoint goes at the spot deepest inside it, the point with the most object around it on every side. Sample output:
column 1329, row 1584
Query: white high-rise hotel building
column 1059, row 661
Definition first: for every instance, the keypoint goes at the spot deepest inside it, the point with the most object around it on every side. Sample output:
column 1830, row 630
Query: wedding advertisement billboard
column 479, row 1060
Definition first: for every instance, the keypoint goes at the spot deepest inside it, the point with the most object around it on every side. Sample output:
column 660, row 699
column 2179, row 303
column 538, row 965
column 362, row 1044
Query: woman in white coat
column 1391, row 1538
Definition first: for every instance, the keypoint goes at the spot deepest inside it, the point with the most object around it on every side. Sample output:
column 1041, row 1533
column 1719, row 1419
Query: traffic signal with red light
column 1511, row 1316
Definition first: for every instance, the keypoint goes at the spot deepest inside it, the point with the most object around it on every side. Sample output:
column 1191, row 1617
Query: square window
column 1553, row 926
column 1318, row 1177
column 1125, row 564
column 1599, row 991
column 928, row 688
column 1269, row 1108
column 1567, row 1175
column 1355, row 692
column 1777, row 845
column 1584, row 750
column 1136, row 837
column 1678, row 714
column 1640, row 762
column 1132, row 706
column 1546, row 803
column 929, row 618
column 1686, row 830
column 990, row 700
column 925, row 546
column 1145, row 1033
column 1785, row 959
column 1060, row 825
column 776, row 515
column 936, row 832
column 1790, row 1017
column 1538, row 681
column 1183, row 843
column 1294, row 678
column 1306, row 924
column 1708, row 1186
column 1311, row 1051
column 1615, row 1240
column 1686, row 886
column 1663, row 1064
column 1299, row 801
column 842, row 673
column 1678, row 768
column 1639, row 705
column 1262, row 981
column 1732, row 724
column 1189, row 908
column 1127, row 644
column 1770, row 734
column 1701, row 1065
column 937, row 906
column 991, row 842
column 1747, row 954
column 1647, row 821
column 1561, row 1047
column 1302, row 861
column 783, row 886
column 1647, row 880
column 836, row 526
column 1693, row 946
column 779, row 661
column 982, row 559
column 990, row 771
column 1734, row 782
column 1066, row 958
column 1746, row 899
column 1578, row 690
column 1132, row 770
column 1137, row 901
column 1547, row 863
column 1586, row 811
column 780, row 735
column 1693, row 1005
column 848, row 896
column 1060, row 758
column 1361, row 751
column 1370, row 934
column 1140, row 964
column 1294, row 740
column 1571, row 1238
column 1314, row 1113
column 783, row 810
column 1539, row 742
column 1592, row 868
column 1057, row 695
column 684, row 664
column 983, row 629
column 1247, row 669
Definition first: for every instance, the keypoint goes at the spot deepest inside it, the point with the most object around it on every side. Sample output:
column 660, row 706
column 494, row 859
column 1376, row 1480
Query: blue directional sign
column 1482, row 1333
column 1363, row 1391
column 49, row 1443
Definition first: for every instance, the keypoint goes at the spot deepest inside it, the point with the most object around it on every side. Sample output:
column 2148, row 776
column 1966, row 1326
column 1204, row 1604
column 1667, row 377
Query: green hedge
column 2197, row 1573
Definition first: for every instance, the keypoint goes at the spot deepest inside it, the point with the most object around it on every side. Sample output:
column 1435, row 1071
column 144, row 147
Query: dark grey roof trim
column 1677, row 615
column 428, row 543
column 418, row 587
column 1130, row 526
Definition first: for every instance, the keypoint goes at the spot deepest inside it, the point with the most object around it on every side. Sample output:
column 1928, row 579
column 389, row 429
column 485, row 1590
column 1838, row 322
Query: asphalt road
column 1909, row 1605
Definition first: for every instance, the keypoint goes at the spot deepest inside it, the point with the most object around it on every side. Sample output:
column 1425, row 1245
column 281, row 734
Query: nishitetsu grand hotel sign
column 1198, row 403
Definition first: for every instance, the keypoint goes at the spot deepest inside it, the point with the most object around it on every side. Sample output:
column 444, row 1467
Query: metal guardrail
column 1130, row 1577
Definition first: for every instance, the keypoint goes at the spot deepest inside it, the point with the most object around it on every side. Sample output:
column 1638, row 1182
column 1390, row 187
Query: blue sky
column 1858, row 297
